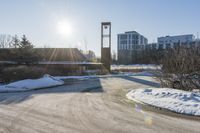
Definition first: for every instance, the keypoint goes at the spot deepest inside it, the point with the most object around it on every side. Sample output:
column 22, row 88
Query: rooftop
column 132, row 32
column 191, row 35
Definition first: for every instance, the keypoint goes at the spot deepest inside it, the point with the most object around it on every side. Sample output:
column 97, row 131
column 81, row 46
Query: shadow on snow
column 90, row 86
column 142, row 81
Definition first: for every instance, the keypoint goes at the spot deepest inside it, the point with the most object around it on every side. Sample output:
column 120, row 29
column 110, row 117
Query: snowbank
column 136, row 66
column 167, row 98
column 49, row 81
column 144, row 73
column 76, row 77
column 31, row 84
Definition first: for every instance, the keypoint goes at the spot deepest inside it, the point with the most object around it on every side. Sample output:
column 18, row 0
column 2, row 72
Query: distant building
column 170, row 41
column 152, row 46
column 128, row 43
column 61, row 54
column 90, row 55
column 128, row 40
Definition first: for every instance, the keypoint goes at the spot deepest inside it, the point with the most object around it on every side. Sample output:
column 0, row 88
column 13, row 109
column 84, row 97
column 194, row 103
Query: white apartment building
column 169, row 41
column 128, row 43
column 127, row 40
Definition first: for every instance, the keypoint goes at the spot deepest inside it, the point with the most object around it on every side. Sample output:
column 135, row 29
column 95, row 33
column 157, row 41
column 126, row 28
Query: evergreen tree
column 25, row 43
column 24, row 52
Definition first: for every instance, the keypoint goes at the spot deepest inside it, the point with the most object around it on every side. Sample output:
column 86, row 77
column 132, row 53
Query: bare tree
column 181, row 68
column 6, row 41
column 16, row 42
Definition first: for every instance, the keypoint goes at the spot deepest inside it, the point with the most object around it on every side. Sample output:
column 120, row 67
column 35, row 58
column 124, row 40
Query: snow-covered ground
column 76, row 77
column 175, row 100
column 144, row 73
column 31, row 84
column 136, row 66
column 49, row 81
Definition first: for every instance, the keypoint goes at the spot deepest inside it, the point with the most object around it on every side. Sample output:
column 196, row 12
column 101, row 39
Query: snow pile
column 49, row 81
column 76, row 77
column 167, row 98
column 144, row 73
column 31, row 84
column 136, row 66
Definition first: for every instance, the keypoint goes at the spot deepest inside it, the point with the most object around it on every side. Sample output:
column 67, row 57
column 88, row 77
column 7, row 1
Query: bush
column 181, row 68
column 11, row 74
column 14, row 73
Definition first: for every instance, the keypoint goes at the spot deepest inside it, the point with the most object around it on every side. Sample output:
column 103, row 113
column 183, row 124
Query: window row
column 130, row 47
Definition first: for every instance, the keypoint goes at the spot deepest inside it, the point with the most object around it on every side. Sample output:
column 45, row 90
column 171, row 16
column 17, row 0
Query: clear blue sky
column 38, row 19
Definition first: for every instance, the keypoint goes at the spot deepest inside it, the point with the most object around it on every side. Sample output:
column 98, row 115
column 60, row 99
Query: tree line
column 180, row 65
column 17, row 49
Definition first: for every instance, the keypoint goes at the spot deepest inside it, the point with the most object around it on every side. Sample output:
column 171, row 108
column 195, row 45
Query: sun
column 64, row 28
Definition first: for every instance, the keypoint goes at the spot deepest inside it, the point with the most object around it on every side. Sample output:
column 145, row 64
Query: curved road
column 74, row 109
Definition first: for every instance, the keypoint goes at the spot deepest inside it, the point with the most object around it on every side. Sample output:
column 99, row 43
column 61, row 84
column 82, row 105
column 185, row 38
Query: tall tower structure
column 106, row 44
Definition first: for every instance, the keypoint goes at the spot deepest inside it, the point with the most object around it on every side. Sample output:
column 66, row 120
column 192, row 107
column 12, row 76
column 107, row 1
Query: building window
column 123, row 37
column 160, row 46
column 123, row 41
column 168, row 46
column 129, row 41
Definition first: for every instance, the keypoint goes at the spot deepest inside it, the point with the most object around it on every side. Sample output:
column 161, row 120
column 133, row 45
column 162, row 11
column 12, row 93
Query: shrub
column 11, row 74
column 14, row 73
column 181, row 68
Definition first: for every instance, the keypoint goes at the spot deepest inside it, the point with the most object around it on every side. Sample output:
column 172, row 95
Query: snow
column 7, row 62
column 31, row 84
column 175, row 100
column 49, row 81
column 76, row 77
column 136, row 66
column 144, row 73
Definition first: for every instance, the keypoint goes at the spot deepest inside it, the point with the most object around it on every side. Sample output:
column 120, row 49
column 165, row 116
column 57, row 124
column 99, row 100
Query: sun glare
column 64, row 28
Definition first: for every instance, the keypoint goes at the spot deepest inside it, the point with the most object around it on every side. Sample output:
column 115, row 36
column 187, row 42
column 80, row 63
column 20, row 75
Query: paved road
column 71, row 109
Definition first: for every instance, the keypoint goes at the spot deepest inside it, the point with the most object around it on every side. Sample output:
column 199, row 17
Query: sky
column 43, row 21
